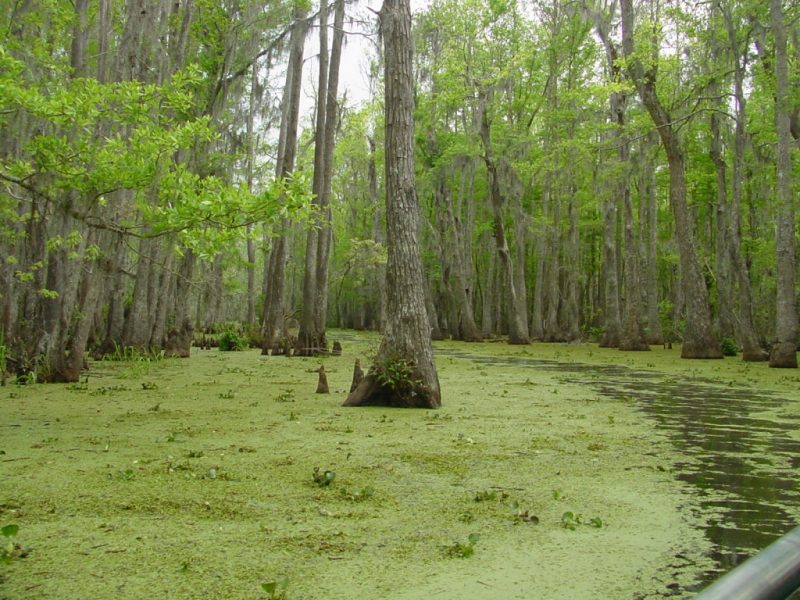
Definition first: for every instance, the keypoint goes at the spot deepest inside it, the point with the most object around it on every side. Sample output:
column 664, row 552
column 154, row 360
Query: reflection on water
column 743, row 466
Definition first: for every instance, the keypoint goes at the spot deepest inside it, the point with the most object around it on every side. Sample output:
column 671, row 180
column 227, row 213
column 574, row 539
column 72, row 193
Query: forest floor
column 195, row 479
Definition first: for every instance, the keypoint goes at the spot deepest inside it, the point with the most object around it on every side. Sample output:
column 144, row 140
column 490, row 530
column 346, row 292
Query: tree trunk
column 377, row 232
column 537, row 312
column 747, row 336
column 324, row 236
column 488, row 297
column 699, row 340
column 250, row 316
column 179, row 337
column 632, row 335
column 611, row 321
column 80, row 35
column 164, row 293
column 784, row 349
column 275, row 281
column 404, row 373
column 518, row 323
column 572, row 319
column 467, row 330
column 91, row 287
column 649, row 202
column 309, row 336
column 724, row 316
column 626, row 335
column 552, row 331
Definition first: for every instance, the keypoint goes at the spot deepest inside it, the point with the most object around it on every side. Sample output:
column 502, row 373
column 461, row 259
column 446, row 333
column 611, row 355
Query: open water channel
column 741, row 460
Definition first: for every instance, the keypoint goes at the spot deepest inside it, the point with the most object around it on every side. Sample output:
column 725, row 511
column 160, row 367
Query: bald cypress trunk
column 747, row 336
column 308, row 339
column 404, row 373
column 324, row 239
column 784, row 349
column 516, row 313
column 275, row 276
column 465, row 327
column 699, row 340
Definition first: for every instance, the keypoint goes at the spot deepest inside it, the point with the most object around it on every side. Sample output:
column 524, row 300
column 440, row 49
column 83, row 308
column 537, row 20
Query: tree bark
column 626, row 333
column 537, row 312
column 725, row 318
column 552, row 291
column 518, row 323
column 404, row 373
column 572, row 319
column 324, row 235
column 467, row 330
column 179, row 337
column 275, row 282
column 649, row 203
column 611, row 321
column 488, row 296
column 747, row 336
column 784, row 349
column 309, row 337
column 699, row 340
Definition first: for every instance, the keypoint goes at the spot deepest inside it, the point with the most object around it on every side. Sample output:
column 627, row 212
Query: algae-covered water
column 196, row 478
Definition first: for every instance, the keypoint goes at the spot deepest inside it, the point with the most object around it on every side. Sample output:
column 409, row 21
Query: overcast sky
column 359, row 50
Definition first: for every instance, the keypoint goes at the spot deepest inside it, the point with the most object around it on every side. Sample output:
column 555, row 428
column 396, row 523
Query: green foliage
column 8, row 549
column 461, row 549
column 729, row 347
column 28, row 378
column 523, row 515
column 133, row 354
column 276, row 590
column 669, row 328
column 287, row 396
column 323, row 478
column 397, row 374
column 489, row 495
column 361, row 495
column 232, row 340
column 123, row 475
column 572, row 521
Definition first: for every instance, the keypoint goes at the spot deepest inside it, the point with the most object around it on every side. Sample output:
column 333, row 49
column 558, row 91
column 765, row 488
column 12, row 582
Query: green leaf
column 269, row 587
column 9, row 531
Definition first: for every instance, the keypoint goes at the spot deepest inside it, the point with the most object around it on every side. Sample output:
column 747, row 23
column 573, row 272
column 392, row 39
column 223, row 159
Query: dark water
column 742, row 466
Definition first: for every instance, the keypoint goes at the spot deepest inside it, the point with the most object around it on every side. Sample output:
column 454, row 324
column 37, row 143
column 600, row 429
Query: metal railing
column 772, row 574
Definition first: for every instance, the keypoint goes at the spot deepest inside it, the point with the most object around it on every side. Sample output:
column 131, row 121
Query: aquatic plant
column 729, row 347
column 8, row 549
column 230, row 340
column 323, row 478
column 462, row 550
column 571, row 521
column 276, row 590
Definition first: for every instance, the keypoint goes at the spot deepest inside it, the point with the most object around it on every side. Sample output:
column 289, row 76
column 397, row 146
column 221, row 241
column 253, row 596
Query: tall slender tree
column 404, row 373
column 699, row 340
column 273, row 323
column 311, row 338
column 784, row 350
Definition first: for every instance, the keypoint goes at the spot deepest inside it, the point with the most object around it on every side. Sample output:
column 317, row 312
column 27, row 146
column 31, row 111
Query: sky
column 359, row 50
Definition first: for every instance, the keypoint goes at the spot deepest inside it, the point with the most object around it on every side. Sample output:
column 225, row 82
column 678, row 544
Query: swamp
column 512, row 234
column 551, row 471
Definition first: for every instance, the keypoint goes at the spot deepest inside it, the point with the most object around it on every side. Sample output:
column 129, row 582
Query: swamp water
column 742, row 459
column 188, row 479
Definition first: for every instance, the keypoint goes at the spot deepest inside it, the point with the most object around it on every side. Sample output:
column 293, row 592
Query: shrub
column 729, row 347
column 231, row 340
